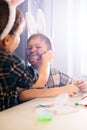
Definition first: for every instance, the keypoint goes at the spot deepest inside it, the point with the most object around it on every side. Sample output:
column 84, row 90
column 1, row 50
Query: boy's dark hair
column 43, row 37
column 4, row 17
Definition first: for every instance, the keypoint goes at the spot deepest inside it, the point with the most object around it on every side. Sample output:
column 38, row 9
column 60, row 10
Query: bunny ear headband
column 12, row 13
column 38, row 26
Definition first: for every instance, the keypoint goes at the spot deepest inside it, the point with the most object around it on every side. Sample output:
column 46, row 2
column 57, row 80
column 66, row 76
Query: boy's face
column 35, row 48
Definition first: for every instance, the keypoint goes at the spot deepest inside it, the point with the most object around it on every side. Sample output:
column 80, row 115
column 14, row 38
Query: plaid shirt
column 57, row 79
column 13, row 73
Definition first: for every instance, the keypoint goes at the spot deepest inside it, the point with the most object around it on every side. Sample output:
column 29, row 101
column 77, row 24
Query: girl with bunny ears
column 13, row 71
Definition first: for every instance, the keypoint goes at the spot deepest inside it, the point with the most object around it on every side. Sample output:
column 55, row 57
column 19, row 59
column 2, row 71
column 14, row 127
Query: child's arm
column 44, row 69
column 48, row 92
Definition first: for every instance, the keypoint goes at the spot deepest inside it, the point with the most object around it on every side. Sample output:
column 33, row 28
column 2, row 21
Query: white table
column 23, row 117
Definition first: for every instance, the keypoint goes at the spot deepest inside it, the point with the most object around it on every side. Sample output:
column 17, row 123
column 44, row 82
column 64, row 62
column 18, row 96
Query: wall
column 20, row 51
column 56, row 19
column 59, row 34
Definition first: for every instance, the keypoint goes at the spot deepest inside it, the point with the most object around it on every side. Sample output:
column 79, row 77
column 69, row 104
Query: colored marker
column 76, row 104
column 47, row 105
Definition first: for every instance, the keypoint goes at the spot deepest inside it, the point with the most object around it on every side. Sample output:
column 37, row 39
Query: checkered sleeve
column 64, row 79
column 24, row 75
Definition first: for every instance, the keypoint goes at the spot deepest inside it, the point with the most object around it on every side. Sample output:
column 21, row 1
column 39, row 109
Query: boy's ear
column 7, row 39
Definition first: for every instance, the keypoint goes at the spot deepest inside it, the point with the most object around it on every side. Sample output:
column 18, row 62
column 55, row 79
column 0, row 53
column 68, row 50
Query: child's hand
column 47, row 57
column 82, row 85
column 71, row 89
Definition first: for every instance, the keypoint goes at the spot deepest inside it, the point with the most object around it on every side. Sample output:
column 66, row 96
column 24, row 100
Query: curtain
column 77, row 37
column 70, row 32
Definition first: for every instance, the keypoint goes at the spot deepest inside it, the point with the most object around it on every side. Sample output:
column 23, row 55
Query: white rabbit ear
column 16, row 2
column 41, row 22
column 31, row 24
column 11, row 18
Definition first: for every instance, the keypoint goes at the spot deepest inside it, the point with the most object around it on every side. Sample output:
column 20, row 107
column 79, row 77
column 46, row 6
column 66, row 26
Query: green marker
column 77, row 104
